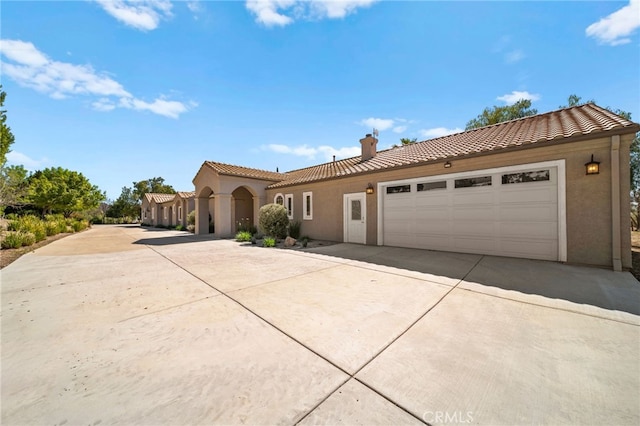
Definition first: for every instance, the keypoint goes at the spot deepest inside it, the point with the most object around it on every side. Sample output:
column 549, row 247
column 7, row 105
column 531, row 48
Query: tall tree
column 155, row 185
column 6, row 137
column 58, row 190
column 405, row 141
column 125, row 205
column 498, row 114
column 13, row 186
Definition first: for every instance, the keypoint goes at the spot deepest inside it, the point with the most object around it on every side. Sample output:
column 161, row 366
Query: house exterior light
column 370, row 189
column 593, row 167
column 447, row 165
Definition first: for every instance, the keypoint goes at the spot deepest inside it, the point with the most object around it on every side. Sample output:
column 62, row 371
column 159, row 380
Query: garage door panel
column 472, row 197
column 531, row 249
column 525, row 213
column 439, row 213
column 476, row 213
column 474, row 245
column 528, row 230
column 515, row 219
column 527, row 195
column 431, row 227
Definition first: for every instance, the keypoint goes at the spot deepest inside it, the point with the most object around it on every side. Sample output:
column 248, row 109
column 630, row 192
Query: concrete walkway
column 126, row 325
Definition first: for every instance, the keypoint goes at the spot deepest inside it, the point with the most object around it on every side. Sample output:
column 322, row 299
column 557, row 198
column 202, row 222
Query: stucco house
column 554, row 186
column 167, row 209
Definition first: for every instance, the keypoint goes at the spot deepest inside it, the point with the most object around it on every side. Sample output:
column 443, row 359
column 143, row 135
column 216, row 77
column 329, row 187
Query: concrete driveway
column 126, row 325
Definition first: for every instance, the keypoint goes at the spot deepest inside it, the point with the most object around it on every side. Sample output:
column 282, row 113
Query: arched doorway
column 242, row 206
column 205, row 220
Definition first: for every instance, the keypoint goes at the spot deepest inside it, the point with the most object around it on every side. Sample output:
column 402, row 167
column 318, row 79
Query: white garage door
column 502, row 212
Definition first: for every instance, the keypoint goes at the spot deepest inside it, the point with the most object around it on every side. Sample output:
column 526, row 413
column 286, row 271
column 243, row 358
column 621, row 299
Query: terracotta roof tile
column 163, row 198
column 189, row 194
column 543, row 128
column 231, row 170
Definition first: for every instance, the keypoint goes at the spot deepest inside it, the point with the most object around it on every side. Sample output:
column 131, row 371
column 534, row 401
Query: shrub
column 12, row 240
column 273, row 220
column 179, row 228
column 294, row 229
column 191, row 228
column 28, row 239
column 243, row 236
column 79, row 225
column 269, row 242
column 52, row 228
column 191, row 218
column 160, row 226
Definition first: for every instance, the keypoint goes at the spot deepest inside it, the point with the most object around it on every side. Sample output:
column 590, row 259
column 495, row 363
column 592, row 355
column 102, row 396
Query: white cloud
column 377, row 123
column 31, row 68
column 284, row 12
column 140, row 14
column 326, row 152
column 515, row 96
column 514, row 56
column 399, row 129
column 616, row 28
column 17, row 158
column 437, row 132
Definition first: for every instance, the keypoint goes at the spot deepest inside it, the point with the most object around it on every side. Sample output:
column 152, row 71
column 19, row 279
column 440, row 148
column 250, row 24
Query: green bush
column 179, row 228
column 52, row 228
column 28, row 239
column 243, row 236
column 269, row 242
column 191, row 218
column 273, row 220
column 12, row 240
column 294, row 229
column 79, row 225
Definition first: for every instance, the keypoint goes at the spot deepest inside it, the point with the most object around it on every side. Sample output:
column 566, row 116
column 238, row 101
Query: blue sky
column 123, row 91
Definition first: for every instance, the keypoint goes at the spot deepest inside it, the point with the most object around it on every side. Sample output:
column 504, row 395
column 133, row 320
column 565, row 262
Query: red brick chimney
column 368, row 147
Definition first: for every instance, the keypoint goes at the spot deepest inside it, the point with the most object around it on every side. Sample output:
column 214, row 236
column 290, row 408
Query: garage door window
column 430, row 186
column 537, row 176
column 472, row 182
column 398, row 189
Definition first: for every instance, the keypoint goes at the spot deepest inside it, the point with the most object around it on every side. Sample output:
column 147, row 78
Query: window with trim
column 278, row 199
column 153, row 213
column 179, row 212
column 473, row 182
column 430, row 186
column 288, row 204
column 307, row 205
column 164, row 210
column 522, row 177
column 398, row 189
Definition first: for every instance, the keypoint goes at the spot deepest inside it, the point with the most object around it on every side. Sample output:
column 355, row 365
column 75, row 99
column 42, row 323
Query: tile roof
column 551, row 127
column 183, row 194
column 158, row 198
column 231, row 170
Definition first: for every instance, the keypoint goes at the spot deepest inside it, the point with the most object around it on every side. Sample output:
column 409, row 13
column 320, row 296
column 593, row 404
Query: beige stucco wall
column 588, row 198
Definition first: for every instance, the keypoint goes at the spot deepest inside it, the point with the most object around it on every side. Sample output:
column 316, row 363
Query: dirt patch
column 8, row 256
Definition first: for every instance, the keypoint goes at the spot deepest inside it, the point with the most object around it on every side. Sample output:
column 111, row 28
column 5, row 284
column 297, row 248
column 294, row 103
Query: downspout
column 615, row 204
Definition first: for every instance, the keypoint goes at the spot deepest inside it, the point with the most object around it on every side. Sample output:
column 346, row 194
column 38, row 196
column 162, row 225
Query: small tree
column 273, row 220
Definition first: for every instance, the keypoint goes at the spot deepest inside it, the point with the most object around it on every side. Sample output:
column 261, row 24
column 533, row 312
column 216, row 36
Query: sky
column 124, row 91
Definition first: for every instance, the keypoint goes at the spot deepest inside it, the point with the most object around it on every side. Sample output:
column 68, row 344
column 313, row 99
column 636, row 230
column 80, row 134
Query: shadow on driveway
column 602, row 288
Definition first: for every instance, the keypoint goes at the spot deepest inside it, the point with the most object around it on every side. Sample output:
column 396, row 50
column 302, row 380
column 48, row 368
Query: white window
column 164, row 210
column 279, row 199
column 179, row 212
column 288, row 204
column 307, row 205
column 153, row 213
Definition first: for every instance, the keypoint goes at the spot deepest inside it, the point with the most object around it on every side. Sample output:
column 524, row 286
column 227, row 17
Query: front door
column 355, row 225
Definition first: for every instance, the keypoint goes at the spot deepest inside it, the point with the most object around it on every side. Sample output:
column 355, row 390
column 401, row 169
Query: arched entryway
column 242, row 206
column 205, row 211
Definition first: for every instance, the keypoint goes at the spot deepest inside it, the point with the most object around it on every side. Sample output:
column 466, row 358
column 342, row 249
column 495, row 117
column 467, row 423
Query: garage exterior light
column 593, row 167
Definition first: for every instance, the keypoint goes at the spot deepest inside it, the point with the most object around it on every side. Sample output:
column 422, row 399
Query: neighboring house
column 518, row 188
column 167, row 209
